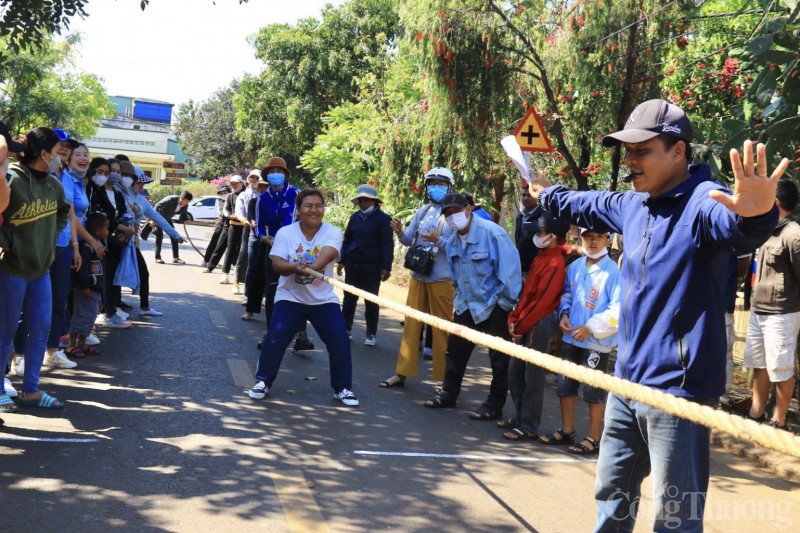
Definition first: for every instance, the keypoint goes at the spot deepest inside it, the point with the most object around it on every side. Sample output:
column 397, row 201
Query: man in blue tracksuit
column 680, row 228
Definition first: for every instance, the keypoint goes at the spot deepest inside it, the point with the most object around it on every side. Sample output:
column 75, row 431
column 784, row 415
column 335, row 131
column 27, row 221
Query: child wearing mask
column 533, row 322
column 589, row 316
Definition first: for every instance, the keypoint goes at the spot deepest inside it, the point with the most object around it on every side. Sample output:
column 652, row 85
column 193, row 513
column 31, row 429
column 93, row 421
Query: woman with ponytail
column 37, row 212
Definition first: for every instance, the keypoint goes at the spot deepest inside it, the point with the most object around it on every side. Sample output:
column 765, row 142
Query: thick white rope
column 737, row 426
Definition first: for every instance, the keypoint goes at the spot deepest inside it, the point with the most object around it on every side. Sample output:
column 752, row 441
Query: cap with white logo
column 651, row 119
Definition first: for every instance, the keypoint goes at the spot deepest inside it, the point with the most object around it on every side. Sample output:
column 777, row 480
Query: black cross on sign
column 530, row 135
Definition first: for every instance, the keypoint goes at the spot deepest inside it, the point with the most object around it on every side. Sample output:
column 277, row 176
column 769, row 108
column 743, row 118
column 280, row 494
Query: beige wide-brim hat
column 366, row 191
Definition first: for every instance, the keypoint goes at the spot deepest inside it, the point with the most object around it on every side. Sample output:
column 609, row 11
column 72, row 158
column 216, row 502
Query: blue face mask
column 276, row 179
column 437, row 192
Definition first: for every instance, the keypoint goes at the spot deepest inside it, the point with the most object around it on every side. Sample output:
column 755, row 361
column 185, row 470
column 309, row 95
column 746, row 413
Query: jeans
column 369, row 280
column 639, row 440
column 33, row 297
column 526, row 381
column 289, row 318
column 60, row 276
column 459, row 350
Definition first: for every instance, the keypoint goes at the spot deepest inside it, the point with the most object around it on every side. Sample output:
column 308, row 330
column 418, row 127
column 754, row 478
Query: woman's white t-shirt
column 291, row 245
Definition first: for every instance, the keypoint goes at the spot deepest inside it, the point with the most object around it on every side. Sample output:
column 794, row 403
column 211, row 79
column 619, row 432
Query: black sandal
column 484, row 413
column 774, row 423
column 582, row 449
column 388, row 383
column 439, row 402
column 519, row 435
column 558, row 438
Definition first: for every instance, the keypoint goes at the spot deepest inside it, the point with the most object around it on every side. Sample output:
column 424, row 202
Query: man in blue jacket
column 367, row 253
column 680, row 228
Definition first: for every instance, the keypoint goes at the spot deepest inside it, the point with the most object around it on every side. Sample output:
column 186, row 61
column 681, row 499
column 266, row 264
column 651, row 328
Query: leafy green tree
column 44, row 87
column 310, row 68
column 207, row 130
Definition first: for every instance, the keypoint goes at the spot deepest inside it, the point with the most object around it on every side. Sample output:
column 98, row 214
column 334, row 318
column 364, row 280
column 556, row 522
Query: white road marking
column 36, row 439
column 507, row 458
column 242, row 373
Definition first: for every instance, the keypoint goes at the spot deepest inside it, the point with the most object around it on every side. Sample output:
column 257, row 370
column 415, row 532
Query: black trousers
column 159, row 233
column 241, row 259
column 222, row 246
column 232, row 251
column 111, row 293
column 255, row 281
column 458, row 353
column 144, row 281
column 367, row 279
column 212, row 244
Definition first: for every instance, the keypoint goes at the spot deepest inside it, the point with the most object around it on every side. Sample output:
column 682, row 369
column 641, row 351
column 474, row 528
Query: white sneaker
column 59, row 360
column 11, row 392
column 225, row 280
column 122, row 314
column 235, row 289
column 370, row 340
column 18, row 365
column 150, row 312
column 346, row 397
column 117, row 322
column 92, row 340
column 258, row 391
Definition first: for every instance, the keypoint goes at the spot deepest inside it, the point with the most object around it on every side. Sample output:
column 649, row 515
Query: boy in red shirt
column 534, row 320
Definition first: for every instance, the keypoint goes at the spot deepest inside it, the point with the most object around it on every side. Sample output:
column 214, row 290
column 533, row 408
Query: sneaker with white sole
column 18, row 365
column 11, row 392
column 122, row 314
column 59, row 360
column 346, row 397
column 370, row 340
column 150, row 312
column 235, row 289
column 117, row 322
column 92, row 340
column 225, row 280
column 258, row 391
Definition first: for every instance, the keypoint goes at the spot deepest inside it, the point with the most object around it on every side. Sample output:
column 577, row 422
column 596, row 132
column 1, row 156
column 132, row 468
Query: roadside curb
column 785, row 466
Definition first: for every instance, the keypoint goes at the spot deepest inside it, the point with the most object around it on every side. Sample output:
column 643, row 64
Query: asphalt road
column 158, row 435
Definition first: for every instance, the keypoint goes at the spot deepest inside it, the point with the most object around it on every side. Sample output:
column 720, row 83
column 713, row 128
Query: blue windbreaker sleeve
column 509, row 272
column 152, row 214
column 601, row 211
column 742, row 234
column 261, row 218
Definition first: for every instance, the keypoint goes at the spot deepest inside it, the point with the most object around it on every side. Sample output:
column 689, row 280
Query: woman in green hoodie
column 36, row 214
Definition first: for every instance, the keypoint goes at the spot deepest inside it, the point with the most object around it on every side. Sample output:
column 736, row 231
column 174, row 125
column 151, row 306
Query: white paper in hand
column 514, row 152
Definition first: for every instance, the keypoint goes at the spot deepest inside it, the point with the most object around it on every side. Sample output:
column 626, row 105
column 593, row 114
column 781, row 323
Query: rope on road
column 186, row 232
column 737, row 426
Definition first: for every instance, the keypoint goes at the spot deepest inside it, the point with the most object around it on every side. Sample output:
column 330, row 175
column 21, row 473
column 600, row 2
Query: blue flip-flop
column 45, row 401
column 7, row 405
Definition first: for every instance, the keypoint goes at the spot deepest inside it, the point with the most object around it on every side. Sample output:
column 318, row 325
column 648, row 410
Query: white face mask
column 542, row 242
column 367, row 210
column 597, row 255
column 54, row 164
column 457, row 221
column 99, row 180
column 127, row 181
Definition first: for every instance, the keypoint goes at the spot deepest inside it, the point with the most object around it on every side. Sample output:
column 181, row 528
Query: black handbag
column 418, row 259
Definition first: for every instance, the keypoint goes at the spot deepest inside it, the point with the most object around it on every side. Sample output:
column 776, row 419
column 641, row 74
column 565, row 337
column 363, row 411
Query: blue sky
column 176, row 50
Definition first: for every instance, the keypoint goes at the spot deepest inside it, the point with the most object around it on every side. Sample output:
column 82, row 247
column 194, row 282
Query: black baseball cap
column 454, row 199
column 551, row 224
column 13, row 146
column 651, row 119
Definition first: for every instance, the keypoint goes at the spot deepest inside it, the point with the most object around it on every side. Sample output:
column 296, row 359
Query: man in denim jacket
column 485, row 271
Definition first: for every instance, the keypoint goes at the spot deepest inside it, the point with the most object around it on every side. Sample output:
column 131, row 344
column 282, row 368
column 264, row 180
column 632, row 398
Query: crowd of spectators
column 69, row 242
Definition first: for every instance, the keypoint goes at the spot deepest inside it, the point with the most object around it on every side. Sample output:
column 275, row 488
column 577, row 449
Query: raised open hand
column 753, row 190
